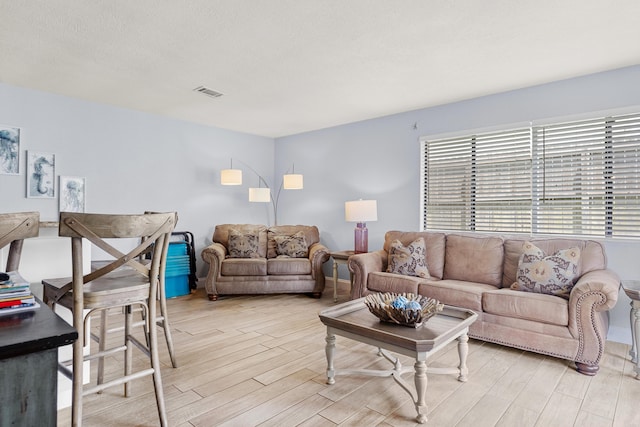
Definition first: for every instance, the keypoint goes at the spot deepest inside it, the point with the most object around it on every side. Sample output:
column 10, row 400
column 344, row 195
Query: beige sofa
column 476, row 272
column 256, row 264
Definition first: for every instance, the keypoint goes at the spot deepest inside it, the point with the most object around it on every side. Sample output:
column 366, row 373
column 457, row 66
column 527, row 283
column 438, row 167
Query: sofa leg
column 213, row 297
column 585, row 369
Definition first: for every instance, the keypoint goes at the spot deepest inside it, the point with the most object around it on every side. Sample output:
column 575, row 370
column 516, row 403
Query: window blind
column 578, row 178
column 586, row 179
column 480, row 182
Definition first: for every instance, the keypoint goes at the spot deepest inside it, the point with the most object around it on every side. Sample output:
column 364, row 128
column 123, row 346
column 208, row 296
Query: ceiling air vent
column 209, row 92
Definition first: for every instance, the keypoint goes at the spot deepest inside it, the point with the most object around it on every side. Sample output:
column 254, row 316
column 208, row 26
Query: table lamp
column 361, row 211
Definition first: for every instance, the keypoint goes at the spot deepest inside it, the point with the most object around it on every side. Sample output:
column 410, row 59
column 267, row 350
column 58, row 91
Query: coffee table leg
column 335, row 281
column 330, row 351
column 420, row 378
column 463, row 350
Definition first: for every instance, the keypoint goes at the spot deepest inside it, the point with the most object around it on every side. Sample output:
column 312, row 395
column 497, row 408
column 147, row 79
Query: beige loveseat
column 261, row 260
column 476, row 272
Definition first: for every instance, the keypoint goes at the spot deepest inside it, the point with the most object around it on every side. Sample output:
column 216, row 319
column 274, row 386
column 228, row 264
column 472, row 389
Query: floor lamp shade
column 262, row 195
column 231, row 177
column 293, row 181
column 361, row 211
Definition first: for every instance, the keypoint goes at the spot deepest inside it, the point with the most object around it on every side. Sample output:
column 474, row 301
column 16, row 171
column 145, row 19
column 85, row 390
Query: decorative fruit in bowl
column 403, row 309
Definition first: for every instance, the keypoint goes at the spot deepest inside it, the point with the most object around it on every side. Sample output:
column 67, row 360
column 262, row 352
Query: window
column 479, row 182
column 579, row 178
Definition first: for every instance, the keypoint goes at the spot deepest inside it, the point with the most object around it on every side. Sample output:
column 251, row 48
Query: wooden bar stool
column 121, row 283
column 162, row 320
column 14, row 228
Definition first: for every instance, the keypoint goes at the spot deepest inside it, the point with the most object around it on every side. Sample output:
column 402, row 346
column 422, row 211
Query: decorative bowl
column 405, row 309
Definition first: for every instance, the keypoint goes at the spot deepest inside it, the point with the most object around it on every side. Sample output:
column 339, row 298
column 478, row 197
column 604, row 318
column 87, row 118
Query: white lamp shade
column 259, row 195
column 293, row 181
column 231, row 177
column 361, row 211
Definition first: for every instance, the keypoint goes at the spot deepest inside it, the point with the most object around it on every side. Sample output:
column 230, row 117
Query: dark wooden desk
column 29, row 343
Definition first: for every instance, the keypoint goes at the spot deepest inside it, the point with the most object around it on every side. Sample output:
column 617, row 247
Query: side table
column 340, row 257
column 632, row 289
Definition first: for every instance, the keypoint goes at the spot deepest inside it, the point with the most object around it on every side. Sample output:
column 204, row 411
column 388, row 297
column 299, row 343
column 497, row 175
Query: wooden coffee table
column 354, row 321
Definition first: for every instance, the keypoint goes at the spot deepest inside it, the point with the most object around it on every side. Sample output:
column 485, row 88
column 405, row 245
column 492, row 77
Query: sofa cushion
column 221, row 235
column 243, row 245
column 389, row 282
column 294, row 246
column 592, row 254
column 288, row 266
column 408, row 260
column 553, row 274
column 455, row 292
column 311, row 236
column 474, row 259
column 244, row 267
column 434, row 242
column 528, row 306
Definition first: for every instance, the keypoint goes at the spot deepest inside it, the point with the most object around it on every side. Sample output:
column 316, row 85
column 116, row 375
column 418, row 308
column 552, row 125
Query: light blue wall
column 133, row 161
column 380, row 159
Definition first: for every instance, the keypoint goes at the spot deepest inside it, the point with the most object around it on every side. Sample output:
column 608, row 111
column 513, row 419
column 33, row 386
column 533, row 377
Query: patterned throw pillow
column 294, row 246
column 547, row 274
column 410, row 260
column 242, row 245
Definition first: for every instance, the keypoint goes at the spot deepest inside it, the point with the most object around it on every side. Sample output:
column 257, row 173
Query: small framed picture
column 41, row 172
column 72, row 190
column 9, row 150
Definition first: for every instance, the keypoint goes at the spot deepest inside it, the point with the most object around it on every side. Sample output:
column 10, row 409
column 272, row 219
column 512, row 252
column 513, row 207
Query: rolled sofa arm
column 594, row 294
column 360, row 265
column 318, row 255
column 213, row 254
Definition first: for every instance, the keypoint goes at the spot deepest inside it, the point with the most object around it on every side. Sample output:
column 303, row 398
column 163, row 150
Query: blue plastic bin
column 177, row 270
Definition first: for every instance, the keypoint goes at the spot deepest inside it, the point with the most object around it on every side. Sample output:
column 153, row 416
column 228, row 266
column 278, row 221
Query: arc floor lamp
column 260, row 194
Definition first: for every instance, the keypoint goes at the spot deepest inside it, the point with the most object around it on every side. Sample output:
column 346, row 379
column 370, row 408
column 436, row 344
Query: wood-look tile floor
column 260, row 361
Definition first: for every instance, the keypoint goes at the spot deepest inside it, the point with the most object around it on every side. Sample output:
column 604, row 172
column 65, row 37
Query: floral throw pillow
column 294, row 246
column 410, row 260
column 547, row 274
column 242, row 245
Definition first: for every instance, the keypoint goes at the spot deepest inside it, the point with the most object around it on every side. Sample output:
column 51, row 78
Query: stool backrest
column 152, row 230
column 14, row 228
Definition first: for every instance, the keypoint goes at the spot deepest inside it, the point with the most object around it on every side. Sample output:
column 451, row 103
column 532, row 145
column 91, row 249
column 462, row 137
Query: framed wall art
column 41, row 172
column 72, row 190
column 9, row 150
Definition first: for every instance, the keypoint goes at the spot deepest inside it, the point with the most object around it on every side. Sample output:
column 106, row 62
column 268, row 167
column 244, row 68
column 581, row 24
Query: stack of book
column 15, row 294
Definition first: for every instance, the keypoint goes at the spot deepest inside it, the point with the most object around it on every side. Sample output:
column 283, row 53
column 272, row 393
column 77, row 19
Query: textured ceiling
column 290, row 66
